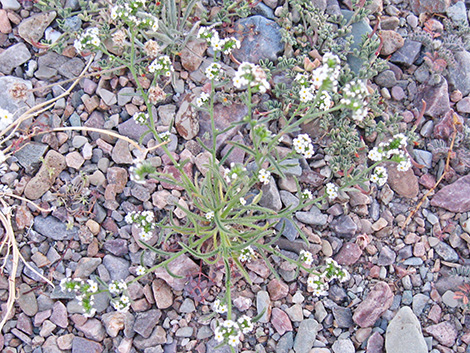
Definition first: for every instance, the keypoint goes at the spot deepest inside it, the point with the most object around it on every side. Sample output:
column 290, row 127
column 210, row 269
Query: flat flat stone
column 32, row 28
column 445, row 332
column 10, row 103
column 306, row 335
column 181, row 266
column 82, row 345
column 377, row 301
column 53, row 228
column 454, row 197
column 13, row 57
column 404, row 333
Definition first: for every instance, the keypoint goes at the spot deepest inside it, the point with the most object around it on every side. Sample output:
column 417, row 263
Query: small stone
column 344, row 226
column 445, row 251
column 121, row 153
column 407, row 54
column 392, row 41
column 445, row 332
column 27, row 300
column 82, row 345
column 162, row 294
column 263, row 304
column 277, row 290
column 114, row 322
column 130, row 128
column 375, row 343
column 157, row 337
column 343, row 317
column 349, row 254
column 271, row 198
column 187, row 306
column 53, row 228
column 314, row 217
column 59, row 315
column 5, row 25
column 404, row 184
column 86, row 266
column 386, row 79
column 65, row 342
column 117, row 247
column 306, row 335
column 146, row 322
column 181, row 266
column 10, row 5
column 377, row 301
column 192, row 54
column 280, row 321
column 186, row 119
column 32, row 28
column 295, row 313
column 74, row 160
column 436, row 98
column 463, row 106
column 118, row 267
column 398, row 93
column 404, row 333
column 343, row 346
column 386, row 257
column 454, row 197
column 429, row 6
column 449, row 299
column 12, row 57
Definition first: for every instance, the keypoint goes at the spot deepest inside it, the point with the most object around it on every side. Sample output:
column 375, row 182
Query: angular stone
column 280, row 321
column 59, row 315
column 349, row 254
column 158, row 336
column 429, row 6
column 86, row 266
column 27, row 300
column 186, row 120
column 7, row 85
column 115, row 321
column 454, row 197
column 92, row 329
column 392, row 41
column 343, row 317
column 263, row 305
column 436, row 98
column 271, row 198
column 445, row 332
column 117, row 266
column 407, row 54
column 13, row 57
column 378, row 300
column 260, row 39
column 306, row 335
column 192, row 54
column 53, row 228
column 445, row 251
column 135, row 131
column 314, row 217
column 54, row 164
column 121, row 153
column 118, row 177
column 32, row 28
column 344, row 226
column 404, row 184
column 146, row 322
column 277, row 290
column 82, row 345
column 386, row 257
column 343, row 346
column 182, row 266
column 404, row 333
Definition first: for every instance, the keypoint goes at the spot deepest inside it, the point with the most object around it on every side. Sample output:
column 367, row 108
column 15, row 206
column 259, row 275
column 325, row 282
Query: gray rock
column 212, row 345
column 343, row 317
column 187, row 306
column 271, row 198
column 86, row 266
column 118, row 267
column 458, row 76
column 386, row 79
column 125, row 95
column 291, row 167
column 358, row 29
column 117, row 247
column 7, row 101
column 457, row 12
column 54, row 229
column 285, row 343
column 263, row 39
column 30, row 155
column 158, row 336
column 263, row 10
column 419, row 303
column 121, row 153
column 306, row 335
column 82, row 345
column 263, row 303
column 343, row 346
column 423, row 157
column 288, row 229
column 407, row 54
column 344, row 226
column 314, row 217
column 13, row 57
column 386, row 257
column 27, row 300
column 134, row 131
column 145, row 322
column 10, row 5
column 445, row 251
column 73, row 23
column 404, row 334
column 32, row 28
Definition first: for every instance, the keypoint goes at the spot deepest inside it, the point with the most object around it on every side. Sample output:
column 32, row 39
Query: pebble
column 157, row 337
column 59, row 315
column 463, row 106
column 407, row 54
column 181, row 266
column 117, row 266
column 446, row 252
column 349, row 254
column 404, row 333
column 263, row 304
column 445, row 332
column 53, row 228
column 458, row 76
column 295, row 313
column 271, row 197
column 313, row 217
column 10, row 5
column 343, row 346
column 280, row 320
column 392, row 41
column 277, row 289
column 404, row 184
column 377, row 301
column 27, row 300
column 344, row 226
column 12, row 57
column 187, row 306
column 386, row 257
column 82, row 345
column 454, row 197
column 343, row 317
column 306, row 335
column 448, row 299
column 145, row 322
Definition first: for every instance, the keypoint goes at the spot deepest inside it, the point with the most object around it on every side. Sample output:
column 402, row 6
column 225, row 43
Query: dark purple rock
column 134, row 131
column 454, row 197
column 407, row 54
column 344, row 226
column 459, row 76
column 378, row 301
column 117, row 247
column 436, row 98
column 349, row 254
column 375, row 343
column 429, row 6
column 82, row 345
column 386, row 257
column 260, row 39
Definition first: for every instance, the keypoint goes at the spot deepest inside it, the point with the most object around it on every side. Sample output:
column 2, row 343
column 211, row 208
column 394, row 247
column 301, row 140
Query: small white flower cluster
column 140, row 118
column 218, row 307
column 230, row 331
column 140, row 271
column 392, row 150
column 128, row 13
column 332, row 191
column 156, row 94
column 87, row 40
column 164, row 136
column 84, row 291
column 247, row 254
column 203, row 99
column 303, row 145
column 214, row 72
column 236, row 171
column 145, row 221
column 210, row 215
column 151, row 48
column 319, row 284
column 6, row 118
column 379, row 176
column 211, row 36
column 325, row 77
column 264, row 176
column 161, row 66
column 306, row 195
column 140, row 170
column 354, row 96
column 306, row 257
column 120, row 301
column 252, row 75
column 117, row 287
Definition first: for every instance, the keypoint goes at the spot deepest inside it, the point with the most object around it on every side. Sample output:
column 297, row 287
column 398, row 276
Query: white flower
column 375, row 155
column 93, row 286
column 264, row 176
column 219, row 307
column 404, row 166
column 242, row 201
column 303, row 145
column 113, row 288
column 307, row 194
column 209, row 215
column 306, row 257
column 233, row 341
column 218, row 335
column 331, row 191
column 6, row 118
column 140, row 270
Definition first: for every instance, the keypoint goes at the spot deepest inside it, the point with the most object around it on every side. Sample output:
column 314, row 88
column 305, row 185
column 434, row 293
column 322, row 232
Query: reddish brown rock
column 277, row 289
column 454, row 197
column 117, row 177
column 392, row 41
column 378, row 300
column 192, row 54
column 186, row 119
column 445, row 332
column 280, row 321
column 181, row 266
column 436, row 98
column 259, row 267
column 404, row 184
column 429, row 6
column 5, row 25
column 349, row 254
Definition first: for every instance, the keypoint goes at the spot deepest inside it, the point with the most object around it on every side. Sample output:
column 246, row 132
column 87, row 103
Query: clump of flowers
column 145, row 221
column 151, row 48
column 306, row 257
column 251, row 75
column 88, row 40
column 203, row 99
column 218, row 307
column 156, row 94
column 229, row 332
column 84, row 290
column 379, row 176
column 214, row 72
column 306, row 195
column 209, row 215
column 6, row 118
column 140, row 170
column 211, row 37
column 331, row 190
column 161, row 66
column 236, row 171
column 303, row 145
column 141, row 118
column 264, row 176
column 119, row 38
column 354, row 97
column 393, row 150
column 319, row 284
column 130, row 12
column 247, row 254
